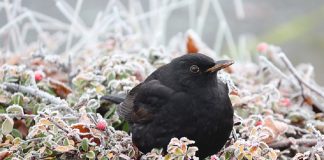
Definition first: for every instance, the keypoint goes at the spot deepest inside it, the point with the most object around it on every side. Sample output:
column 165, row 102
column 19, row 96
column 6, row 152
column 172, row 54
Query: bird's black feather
column 177, row 102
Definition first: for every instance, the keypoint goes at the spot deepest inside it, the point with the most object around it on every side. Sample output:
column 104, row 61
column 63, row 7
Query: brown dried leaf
column 60, row 88
column 81, row 127
column 253, row 149
column 308, row 100
column 194, row 44
column 86, row 133
column 4, row 154
column 21, row 127
column 191, row 45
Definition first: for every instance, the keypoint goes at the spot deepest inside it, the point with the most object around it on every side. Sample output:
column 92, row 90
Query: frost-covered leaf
column 93, row 104
column 17, row 99
column 44, row 122
column 60, row 88
column 16, row 133
column 15, row 109
column 66, row 142
column 64, row 148
column 85, row 144
column 91, row 155
column 273, row 155
column 7, row 126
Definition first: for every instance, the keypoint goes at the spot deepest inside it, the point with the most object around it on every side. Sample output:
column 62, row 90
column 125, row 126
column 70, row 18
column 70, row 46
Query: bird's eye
column 194, row 69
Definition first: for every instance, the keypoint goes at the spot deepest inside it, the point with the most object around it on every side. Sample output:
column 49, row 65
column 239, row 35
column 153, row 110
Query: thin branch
column 37, row 93
column 287, row 143
column 291, row 68
column 32, row 91
column 294, row 72
column 66, row 130
column 272, row 66
column 3, row 115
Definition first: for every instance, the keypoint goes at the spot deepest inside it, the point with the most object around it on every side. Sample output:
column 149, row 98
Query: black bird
column 180, row 99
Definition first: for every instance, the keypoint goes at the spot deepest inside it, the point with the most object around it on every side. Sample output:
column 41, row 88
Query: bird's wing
column 143, row 101
column 126, row 108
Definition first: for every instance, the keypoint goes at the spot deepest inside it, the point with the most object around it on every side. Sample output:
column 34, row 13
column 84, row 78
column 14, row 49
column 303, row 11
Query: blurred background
column 294, row 25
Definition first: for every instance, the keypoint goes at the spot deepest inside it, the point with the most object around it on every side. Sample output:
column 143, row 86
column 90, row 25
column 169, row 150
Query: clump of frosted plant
column 226, row 78
column 177, row 149
column 116, row 73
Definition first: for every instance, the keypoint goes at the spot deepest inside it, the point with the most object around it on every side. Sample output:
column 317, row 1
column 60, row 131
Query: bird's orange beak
column 220, row 65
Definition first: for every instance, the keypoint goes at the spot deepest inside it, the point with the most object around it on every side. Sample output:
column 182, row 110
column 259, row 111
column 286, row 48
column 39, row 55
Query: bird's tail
column 112, row 99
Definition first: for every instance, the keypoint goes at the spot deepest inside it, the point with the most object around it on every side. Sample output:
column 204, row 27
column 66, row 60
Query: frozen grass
column 127, row 19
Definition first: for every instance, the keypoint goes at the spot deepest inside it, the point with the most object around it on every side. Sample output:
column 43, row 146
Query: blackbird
column 181, row 99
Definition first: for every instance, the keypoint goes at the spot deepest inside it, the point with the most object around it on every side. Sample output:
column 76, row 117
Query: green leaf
column 178, row 151
column 10, row 137
column 126, row 127
column 248, row 156
column 167, row 157
column 17, row 98
column 228, row 155
column 15, row 109
column 110, row 112
column 12, row 79
column 85, row 144
column 104, row 158
column 2, row 110
column 91, row 155
column 49, row 151
column 17, row 140
column 66, row 142
column 7, row 126
column 16, row 133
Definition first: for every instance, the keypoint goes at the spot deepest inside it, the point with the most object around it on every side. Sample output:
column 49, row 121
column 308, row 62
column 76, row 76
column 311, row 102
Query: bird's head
column 197, row 70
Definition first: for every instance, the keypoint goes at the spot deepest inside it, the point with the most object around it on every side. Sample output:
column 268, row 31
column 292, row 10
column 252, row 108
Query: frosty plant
column 50, row 86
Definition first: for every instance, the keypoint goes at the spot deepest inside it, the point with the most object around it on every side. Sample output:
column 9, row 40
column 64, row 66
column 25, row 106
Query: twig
column 3, row 115
column 302, row 92
column 286, row 143
column 60, row 127
column 33, row 91
column 37, row 93
column 271, row 65
column 291, row 68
